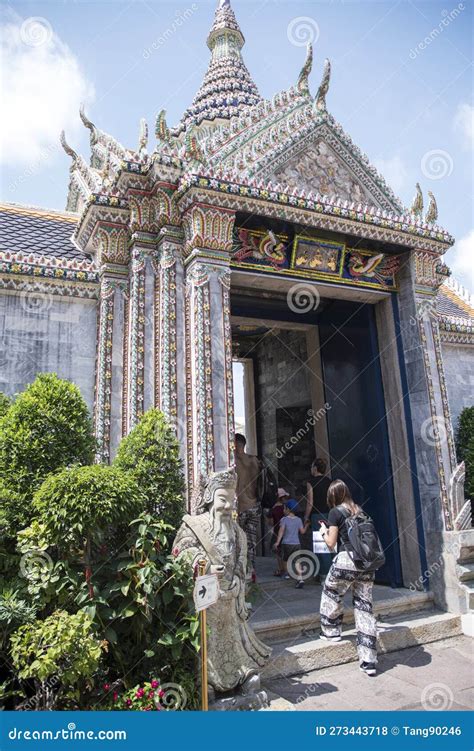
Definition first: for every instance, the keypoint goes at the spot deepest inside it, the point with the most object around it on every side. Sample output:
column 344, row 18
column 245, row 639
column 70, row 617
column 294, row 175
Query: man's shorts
column 287, row 550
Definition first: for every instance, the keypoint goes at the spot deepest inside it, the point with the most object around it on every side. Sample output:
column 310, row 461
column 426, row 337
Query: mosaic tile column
column 209, row 366
column 169, row 306
column 139, row 361
column 109, row 370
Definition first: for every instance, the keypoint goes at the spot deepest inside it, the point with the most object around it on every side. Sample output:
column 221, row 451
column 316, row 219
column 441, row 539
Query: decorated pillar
column 209, row 340
column 169, row 346
column 437, row 430
column 111, row 243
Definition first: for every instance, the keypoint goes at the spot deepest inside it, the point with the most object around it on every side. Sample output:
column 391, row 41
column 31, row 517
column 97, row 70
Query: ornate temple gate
column 258, row 196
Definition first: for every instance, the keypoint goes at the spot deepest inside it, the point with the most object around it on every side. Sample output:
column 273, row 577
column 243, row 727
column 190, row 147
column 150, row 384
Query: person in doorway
column 276, row 514
column 317, row 489
column 248, row 508
column 344, row 575
column 317, row 508
column 290, row 529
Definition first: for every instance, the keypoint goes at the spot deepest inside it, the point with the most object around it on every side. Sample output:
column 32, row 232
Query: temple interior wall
column 458, row 361
column 283, row 386
column 44, row 333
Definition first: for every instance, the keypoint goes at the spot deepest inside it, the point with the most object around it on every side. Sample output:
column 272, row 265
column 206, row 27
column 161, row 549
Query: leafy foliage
column 151, row 454
column 465, row 447
column 5, row 404
column 62, row 646
column 83, row 558
column 46, row 428
column 80, row 505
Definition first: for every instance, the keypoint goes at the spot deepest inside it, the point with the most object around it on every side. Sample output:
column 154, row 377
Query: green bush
column 81, row 506
column 151, row 454
column 60, row 654
column 46, row 428
column 465, row 447
column 5, row 404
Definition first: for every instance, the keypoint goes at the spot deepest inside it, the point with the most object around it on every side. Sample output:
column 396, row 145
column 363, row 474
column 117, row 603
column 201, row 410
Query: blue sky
column 401, row 85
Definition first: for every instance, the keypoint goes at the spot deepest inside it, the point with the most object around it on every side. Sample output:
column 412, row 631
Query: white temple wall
column 46, row 333
column 458, row 360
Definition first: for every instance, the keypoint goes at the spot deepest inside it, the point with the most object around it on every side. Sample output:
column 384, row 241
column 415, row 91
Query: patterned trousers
column 343, row 576
column 249, row 521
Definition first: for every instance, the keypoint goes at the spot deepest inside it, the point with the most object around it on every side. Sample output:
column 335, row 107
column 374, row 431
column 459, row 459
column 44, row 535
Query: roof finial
column 162, row 131
column 417, row 205
column 69, row 151
column 303, row 82
column 320, row 101
column 143, row 137
column 432, row 212
column 88, row 123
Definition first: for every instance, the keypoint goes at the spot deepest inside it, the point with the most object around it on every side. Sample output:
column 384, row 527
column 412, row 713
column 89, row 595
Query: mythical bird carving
column 432, row 212
column 303, row 82
column 320, row 101
column 417, row 205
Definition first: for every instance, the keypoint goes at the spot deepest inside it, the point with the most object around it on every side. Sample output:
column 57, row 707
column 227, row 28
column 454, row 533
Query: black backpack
column 365, row 548
column 267, row 490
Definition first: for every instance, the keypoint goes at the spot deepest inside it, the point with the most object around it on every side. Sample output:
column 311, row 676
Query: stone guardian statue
column 235, row 654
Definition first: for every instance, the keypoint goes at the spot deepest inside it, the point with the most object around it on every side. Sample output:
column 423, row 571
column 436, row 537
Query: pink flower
column 106, row 686
column 155, row 684
column 151, row 694
column 161, row 693
column 115, row 696
column 128, row 702
column 140, row 693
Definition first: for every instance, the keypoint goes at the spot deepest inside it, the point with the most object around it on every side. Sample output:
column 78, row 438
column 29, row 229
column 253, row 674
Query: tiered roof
column 227, row 88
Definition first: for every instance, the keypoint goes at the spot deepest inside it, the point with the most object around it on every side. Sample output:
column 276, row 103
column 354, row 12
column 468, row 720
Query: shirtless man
column 248, row 471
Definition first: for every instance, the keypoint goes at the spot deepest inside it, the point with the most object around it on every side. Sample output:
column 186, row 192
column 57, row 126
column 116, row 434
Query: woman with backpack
column 352, row 568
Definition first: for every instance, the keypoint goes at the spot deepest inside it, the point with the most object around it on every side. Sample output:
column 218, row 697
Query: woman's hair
column 320, row 465
column 338, row 493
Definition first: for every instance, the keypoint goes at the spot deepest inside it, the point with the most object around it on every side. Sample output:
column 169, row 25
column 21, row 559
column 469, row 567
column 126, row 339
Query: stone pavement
column 274, row 598
column 439, row 675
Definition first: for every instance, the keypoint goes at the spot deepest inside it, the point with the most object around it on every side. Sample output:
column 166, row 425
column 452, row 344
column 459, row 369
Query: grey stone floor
column 274, row 598
column 439, row 675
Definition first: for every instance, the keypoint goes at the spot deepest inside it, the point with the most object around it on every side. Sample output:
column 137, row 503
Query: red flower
column 106, row 686
column 115, row 696
column 128, row 702
column 155, row 684
column 140, row 693
column 161, row 693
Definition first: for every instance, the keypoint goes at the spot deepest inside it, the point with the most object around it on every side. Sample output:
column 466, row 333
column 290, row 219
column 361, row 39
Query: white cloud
column 395, row 173
column 460, row 260
column 41, row 91
column 464, row 124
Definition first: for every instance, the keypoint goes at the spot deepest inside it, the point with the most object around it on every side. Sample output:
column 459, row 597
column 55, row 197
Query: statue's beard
column 222, row 530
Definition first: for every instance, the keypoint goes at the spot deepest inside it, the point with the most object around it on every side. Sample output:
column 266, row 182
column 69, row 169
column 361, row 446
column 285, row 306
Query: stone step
column 306, row 625
column 302, row 656
column 465, row 571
